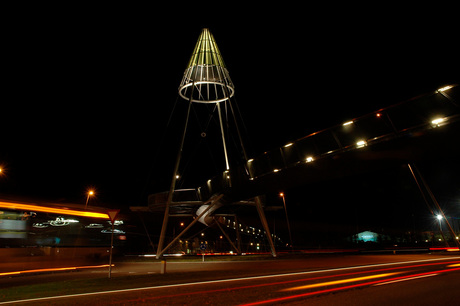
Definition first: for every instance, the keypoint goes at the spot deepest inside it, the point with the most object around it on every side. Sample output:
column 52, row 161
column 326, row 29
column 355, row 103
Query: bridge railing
column 420, row 113
column 423, row 112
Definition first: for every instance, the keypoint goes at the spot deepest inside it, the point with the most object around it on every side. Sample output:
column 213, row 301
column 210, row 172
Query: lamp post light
column 439, row 217
column 90, row 193
column 281, row 194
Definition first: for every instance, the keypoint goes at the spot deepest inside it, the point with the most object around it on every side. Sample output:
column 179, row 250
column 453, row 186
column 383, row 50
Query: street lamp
column 439, row 217
column 281, row 194
column 90, row 193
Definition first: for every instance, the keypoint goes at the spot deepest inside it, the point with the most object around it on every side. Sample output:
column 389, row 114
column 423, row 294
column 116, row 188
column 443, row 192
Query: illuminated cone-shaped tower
column 207, row 72
column 206, row 80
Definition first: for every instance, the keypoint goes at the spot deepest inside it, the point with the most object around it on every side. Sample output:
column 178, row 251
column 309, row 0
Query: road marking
column 405, row 279
column 341, row 281
column 220, row 281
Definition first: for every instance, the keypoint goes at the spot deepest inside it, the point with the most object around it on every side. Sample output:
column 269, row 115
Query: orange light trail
column 53, row 270
column 30, row 207
column 341, row 281
column 302, row 295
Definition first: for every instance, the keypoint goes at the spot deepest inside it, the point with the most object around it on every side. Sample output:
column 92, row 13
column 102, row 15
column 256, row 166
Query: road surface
column 351, row 280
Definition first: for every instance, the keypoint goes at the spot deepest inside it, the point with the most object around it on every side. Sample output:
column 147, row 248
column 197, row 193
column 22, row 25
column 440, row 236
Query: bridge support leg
column 173, row 180
column 264, row 222
column 412, row 167
column 238, row 235
column 160, row 252
column 238, row 251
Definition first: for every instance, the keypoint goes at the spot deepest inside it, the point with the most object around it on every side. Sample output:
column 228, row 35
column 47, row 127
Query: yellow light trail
column 30, row 207
column 454, row 265
column 53, row 269
column 342, row 281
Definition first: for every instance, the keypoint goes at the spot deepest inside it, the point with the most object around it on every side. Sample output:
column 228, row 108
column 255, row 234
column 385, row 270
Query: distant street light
column 281, row 194
column 440, row 217
column 90, row 193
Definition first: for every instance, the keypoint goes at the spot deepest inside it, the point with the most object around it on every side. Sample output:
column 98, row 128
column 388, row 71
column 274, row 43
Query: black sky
column 87, row 92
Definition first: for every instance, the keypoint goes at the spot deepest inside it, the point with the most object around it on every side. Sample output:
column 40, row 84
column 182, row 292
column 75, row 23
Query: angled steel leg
column 412, row 167
column 173, row 180
column 238, row 235
column 260, row 210
column 227, row 237
column 211, row 205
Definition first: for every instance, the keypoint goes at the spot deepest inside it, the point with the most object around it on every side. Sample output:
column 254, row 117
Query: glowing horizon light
column 445, row 88
column 348, row 123
column 62, row 211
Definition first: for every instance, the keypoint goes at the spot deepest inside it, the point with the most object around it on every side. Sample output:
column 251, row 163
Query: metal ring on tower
column 206, row 71
column 202, row 91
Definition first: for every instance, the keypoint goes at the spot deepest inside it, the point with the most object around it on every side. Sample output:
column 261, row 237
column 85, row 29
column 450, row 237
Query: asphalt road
column 330, row 280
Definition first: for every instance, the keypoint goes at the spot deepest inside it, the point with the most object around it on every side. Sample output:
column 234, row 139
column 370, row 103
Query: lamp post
column 281, row 194
column 90, row 193
column 439, row 217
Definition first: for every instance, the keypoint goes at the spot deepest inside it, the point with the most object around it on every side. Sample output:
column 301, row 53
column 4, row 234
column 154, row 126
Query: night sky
column 87, row 93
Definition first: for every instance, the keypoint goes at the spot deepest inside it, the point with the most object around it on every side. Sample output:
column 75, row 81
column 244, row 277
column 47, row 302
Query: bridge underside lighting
column 361, row 143
column 438, row 121
column 445, row 88
column 52, row 210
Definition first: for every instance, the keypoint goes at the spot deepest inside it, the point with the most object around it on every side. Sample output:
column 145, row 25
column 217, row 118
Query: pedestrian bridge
column 422, row 128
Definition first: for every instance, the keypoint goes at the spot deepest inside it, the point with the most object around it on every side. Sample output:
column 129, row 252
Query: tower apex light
column 206, row 71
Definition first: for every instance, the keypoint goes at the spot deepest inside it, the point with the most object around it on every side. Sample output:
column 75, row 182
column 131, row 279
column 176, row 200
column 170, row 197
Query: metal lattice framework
column 206, row 71
column 206, row 80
